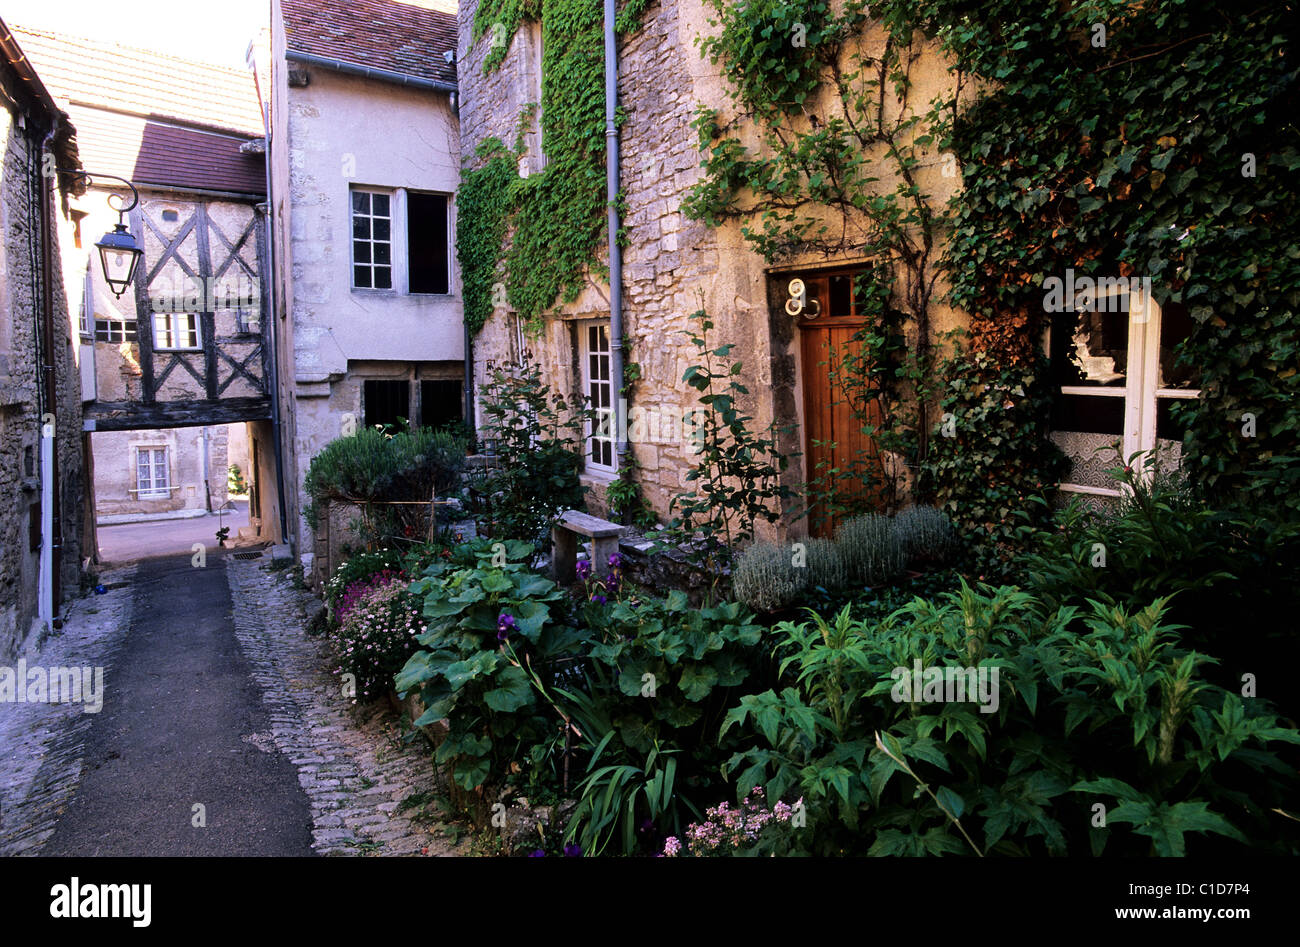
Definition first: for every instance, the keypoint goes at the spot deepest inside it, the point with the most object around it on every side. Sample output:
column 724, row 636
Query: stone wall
column 673, row 266
column 21, row 411
column 115, row 469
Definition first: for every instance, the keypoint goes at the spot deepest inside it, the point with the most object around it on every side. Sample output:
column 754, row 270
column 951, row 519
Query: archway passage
column 168, row 491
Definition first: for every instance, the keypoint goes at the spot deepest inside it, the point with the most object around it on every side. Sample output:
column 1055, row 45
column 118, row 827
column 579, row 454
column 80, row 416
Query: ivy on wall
column 546, row 228
column 1157, row 140
column 1151, row 139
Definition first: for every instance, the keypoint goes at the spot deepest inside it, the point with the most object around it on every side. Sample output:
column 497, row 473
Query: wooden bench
column 564, row 542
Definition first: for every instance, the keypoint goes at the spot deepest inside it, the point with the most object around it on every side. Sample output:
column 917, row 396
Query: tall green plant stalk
column 737, row 474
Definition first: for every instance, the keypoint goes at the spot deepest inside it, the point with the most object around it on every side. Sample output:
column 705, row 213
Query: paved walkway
column 129, row 542
column 214, row 697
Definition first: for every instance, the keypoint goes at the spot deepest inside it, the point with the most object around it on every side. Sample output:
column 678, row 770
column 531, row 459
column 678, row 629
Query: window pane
column 383, row 278
column 1089, row 348
column 362, row 252
column 383, row 228
column 361, row 227
column 360, row 202
column 840, row 289
column 383, row 253
column 361, row 276
column 380, row 205
column 1089, row 414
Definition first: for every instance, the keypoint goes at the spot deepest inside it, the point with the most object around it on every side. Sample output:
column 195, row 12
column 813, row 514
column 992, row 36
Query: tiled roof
column 144, row 82
column 151, row 117
column 405, row 37
column 148, row 151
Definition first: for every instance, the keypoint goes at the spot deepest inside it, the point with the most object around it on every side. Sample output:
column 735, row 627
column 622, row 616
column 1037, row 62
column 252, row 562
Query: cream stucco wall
column 328, row 136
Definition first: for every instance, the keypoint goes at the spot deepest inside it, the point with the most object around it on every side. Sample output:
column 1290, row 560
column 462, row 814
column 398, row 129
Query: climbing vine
column 484, row 202
column 547, row 227
column 1152, row 139
column 834, row 173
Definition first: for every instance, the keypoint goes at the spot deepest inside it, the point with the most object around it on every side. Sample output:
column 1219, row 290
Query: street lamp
column 119, row 254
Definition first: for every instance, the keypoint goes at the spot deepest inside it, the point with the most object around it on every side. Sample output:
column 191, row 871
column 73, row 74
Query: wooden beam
column 135, row 416
column 207, row 319
column 143, row 311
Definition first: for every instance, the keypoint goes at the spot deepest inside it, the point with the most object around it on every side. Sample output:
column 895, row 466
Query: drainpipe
column 51, row 515
column 469, row 383
column 615, row 252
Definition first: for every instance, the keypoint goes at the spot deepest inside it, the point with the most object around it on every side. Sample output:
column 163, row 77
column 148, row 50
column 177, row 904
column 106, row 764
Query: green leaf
column 512, row 691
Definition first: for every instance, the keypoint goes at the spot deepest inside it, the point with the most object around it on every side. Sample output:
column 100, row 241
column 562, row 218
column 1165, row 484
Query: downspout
column 612, row 219
column 51, row 514
column 469, row 382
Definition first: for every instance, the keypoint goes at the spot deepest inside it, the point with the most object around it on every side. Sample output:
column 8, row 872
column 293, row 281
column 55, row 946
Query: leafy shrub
column 765, row 577
column 1104, row 705
column 379, row 622
column 536, row 437
column 660, row 675
column 871, row 549
column 925, row 534
column 737, row 476
column 356, row 569
column 489, row 657
column 1213, row 565
column 373, row 468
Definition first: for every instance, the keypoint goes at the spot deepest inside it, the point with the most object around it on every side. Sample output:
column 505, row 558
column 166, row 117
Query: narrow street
column 222, row 732
column 183, row 727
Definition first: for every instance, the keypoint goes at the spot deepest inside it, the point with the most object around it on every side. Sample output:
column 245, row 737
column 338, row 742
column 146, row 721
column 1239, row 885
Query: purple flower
column 598, row 599
column 537, row 853
column 672, row 846
column 615, row 561
column 573, row 850
column 583, row 570
column 505, row 626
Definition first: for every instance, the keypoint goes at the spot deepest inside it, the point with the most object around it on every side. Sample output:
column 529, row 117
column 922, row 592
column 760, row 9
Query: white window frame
column 175, row 326
column 591, row 431
column 1141, row 391
column 354, row 240
column 156, row 488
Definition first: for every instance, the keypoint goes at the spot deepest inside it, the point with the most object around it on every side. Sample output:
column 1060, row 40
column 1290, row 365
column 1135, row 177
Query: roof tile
column 406, row 37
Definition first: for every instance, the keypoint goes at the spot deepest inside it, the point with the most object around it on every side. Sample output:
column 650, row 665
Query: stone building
column 182, row 356
column 364, row 156
column 782, row 316
column 673, row 266
column 41, row 496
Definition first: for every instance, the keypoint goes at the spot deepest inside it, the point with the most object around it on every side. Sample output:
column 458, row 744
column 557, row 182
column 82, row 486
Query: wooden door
column 842, row 460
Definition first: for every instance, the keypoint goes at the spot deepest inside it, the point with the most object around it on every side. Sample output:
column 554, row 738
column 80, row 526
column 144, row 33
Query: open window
column 428, row 243
column 1115, row 368
column 386, row 402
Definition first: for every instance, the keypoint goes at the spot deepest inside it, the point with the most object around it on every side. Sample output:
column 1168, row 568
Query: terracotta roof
column 24, row 72
column 405, row 37
column 149, row 151
column 151, row 117
column 144, row 82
